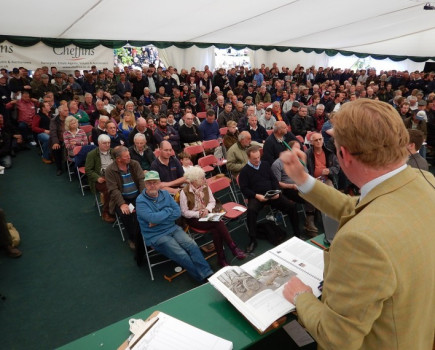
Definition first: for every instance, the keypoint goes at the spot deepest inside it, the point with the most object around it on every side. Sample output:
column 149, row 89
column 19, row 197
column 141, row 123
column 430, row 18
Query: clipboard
column 126, row 343
column 162, row 331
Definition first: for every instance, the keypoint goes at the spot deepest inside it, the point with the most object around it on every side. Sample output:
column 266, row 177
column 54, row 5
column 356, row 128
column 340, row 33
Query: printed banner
column 66, row 59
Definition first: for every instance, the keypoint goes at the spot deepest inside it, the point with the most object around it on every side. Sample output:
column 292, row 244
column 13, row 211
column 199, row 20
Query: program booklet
column 255, row 288
column 213, row 217
column 271, row 193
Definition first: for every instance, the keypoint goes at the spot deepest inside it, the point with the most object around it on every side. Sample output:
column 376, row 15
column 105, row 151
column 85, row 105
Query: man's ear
column 345, row 156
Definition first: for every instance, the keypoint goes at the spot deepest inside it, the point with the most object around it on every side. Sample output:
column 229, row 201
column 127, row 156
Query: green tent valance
column 27, row 41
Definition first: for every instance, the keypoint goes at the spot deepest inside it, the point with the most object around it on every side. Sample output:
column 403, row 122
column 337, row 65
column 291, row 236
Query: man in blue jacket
column 156, row 212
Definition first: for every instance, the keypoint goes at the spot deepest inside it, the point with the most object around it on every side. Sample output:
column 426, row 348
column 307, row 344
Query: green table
column 203, row 307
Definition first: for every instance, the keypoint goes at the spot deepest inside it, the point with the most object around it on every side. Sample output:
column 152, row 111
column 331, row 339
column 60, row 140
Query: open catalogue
column 255, row 288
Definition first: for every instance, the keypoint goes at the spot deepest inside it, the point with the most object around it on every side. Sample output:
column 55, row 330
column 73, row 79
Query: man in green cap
column 156, row 213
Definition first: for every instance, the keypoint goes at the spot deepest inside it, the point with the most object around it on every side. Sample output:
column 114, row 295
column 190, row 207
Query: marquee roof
column 392, row 28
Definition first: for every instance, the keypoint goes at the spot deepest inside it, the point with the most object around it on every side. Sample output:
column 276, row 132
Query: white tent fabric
column 391, row 27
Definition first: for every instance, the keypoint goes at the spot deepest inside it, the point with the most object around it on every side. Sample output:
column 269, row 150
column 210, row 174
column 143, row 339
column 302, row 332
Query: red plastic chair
column 269, row 132
column 81, row 173
column 201, row 115
column 194, row 150
column 231, row 213
column 210, row 144
column 208, row 163
column 88, row 131
column 223, row 131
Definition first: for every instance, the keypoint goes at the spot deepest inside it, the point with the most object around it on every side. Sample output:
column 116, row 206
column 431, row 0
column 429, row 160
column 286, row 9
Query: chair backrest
column 223, row 183
column 80, row 154
column 86, row 128
column 300, row 138
column 210, row 144
column 223, row 131
column 219, row 184
column 201, row 115
column 207, row 160
column 308, row 137
column 76, row 150
column 192, row 150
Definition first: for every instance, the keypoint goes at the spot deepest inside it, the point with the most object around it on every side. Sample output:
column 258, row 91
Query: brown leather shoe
column 46, row 161
column 108, row 218
column 131, row 245
column 13, row 252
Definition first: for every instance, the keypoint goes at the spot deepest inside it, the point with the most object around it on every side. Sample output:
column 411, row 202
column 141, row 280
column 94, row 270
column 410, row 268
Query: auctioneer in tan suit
column 379, row 279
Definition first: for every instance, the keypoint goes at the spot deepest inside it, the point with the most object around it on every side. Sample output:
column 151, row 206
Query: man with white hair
column 100, row 128
column 142, row 128
column 97, row 161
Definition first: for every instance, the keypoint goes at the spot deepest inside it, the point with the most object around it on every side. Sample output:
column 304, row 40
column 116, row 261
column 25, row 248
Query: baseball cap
column 152, row 175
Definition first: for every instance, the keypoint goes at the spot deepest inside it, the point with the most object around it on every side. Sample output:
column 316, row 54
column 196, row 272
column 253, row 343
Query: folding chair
column 194, row 150
column 272, row 212
column 196, row 234
column 118, row 223
column 98, row 203
column 308, row 138
column 223, row 131
column 201, row 115
column 150, row 252
column 234, row 211
column 40, row 147
column 302, row 141
column 88, row 130
column 81, row 173
column 69, row 165
column 209, row 145
column 208, row 163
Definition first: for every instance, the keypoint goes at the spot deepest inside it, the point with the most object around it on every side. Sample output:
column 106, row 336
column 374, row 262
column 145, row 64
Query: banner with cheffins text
column 66, row 59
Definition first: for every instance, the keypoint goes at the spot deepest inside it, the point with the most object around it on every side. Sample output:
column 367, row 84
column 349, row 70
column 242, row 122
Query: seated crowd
column 139, row 120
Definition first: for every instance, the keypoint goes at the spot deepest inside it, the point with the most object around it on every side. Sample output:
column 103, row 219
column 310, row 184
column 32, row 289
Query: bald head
column 280, row 128
column 141, row 124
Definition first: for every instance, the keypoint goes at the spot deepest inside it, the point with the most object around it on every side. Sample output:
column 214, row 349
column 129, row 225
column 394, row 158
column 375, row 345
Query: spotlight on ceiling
column 428, row 6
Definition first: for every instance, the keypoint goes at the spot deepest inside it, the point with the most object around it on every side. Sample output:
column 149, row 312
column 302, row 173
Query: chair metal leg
column 97, row 202
column 120, row 226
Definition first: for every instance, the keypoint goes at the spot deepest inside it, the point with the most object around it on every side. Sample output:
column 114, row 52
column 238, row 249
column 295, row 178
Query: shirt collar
column 253, row 166
column 375, row 182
